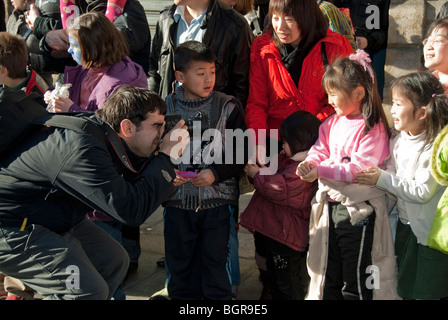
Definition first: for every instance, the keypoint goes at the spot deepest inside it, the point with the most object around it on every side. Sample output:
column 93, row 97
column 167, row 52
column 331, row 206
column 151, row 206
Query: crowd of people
column 337, row 188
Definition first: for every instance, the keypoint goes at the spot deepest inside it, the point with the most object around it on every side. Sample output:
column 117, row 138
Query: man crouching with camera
column 53, row 177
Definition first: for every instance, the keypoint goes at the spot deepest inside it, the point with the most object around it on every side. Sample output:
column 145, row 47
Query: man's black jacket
column 226, row 33
column 55, row 176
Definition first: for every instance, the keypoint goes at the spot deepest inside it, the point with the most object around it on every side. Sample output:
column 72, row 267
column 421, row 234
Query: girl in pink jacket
column 279, row 209
column 353, row 139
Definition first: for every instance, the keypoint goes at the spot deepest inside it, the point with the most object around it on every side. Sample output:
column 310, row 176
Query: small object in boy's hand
column 187, row 174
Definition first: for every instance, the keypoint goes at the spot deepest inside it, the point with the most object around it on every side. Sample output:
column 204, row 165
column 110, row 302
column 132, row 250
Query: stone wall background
column 409, row 21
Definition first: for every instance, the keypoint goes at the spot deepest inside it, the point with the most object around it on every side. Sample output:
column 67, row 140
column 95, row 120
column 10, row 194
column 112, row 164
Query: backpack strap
column 73, row 121
column 215, row 112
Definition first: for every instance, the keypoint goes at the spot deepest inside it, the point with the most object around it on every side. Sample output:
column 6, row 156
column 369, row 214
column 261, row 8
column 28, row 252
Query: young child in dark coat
column 280, row 208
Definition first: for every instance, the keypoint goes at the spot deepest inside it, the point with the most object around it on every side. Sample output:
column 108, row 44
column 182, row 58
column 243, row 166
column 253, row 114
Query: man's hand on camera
column 175, row 141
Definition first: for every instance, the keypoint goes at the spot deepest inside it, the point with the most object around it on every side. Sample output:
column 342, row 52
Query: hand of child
column 310, row 176
column 251, row 170
column 61, row 104
column 179, row 180
column 304, row 168
column 204, row 178
column 368, row 176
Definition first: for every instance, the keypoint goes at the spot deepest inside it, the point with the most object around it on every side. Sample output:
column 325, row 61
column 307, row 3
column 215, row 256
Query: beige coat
column 383, row 253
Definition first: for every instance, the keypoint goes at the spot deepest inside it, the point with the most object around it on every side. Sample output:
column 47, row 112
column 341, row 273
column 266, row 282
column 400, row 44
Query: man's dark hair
column 190, row 51
column 128, row 102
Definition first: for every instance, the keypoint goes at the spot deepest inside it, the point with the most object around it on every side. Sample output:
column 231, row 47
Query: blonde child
column 354, row 138
column 419, row 112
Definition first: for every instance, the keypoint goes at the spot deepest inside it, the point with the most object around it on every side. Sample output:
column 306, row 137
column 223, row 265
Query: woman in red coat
column 287, row 65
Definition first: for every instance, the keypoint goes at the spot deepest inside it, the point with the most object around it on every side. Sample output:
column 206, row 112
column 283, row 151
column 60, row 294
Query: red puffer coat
column 273, row 95
column 281, row 204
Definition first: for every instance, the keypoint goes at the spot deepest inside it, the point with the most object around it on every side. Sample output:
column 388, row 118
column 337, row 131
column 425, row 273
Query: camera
column 172, row 119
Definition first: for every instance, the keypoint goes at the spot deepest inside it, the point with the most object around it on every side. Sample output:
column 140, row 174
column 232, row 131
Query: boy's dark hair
column 13, row 55
column 190, row 51
column 128, row 102
column 423, row 89
column 301, row 130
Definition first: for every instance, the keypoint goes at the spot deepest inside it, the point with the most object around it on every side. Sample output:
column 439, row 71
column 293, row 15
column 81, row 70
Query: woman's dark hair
column 101, row 43
column 309, row 17
column 301, row 130
column 133, row 103
column 345, row 75
column 423, row 89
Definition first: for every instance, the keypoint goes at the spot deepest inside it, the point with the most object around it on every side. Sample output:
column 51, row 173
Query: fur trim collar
column 439, row 157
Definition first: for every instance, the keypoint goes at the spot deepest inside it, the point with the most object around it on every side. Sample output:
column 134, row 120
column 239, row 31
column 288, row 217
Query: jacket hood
column 300, row 156
column 439, row 157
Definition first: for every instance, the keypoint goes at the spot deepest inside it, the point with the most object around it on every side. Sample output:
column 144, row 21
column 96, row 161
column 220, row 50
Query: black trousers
column 196, row 253
column 287, row 271
column 349, row 255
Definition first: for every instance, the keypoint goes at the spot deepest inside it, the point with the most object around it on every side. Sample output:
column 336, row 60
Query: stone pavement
column 150, row 278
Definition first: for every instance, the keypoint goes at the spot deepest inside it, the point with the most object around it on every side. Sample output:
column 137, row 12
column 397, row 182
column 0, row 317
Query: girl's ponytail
column 437, row 114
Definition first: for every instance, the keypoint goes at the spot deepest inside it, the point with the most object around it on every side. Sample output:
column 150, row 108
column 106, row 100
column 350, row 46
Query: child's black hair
column 301, row 130
column 345, row 75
